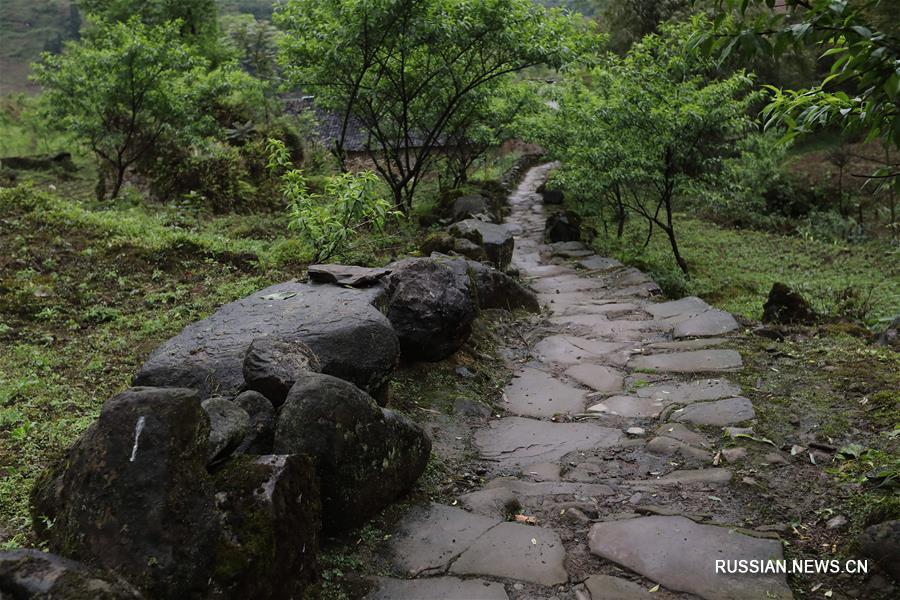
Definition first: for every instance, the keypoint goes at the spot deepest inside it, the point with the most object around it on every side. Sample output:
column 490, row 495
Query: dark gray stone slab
column 572, row 350
column 352, row 339
column 599, row 263
column 691, row 391
column 535, row 393
column 695, row 361
column 629, row 406
column 597, row 377
column 549, row 488
column 565, row 283
column 709, row 323
column 430, row 538
column 516, row 551
column 436, row 588
column 681, row 555
column 678, row 309
column 518, row 442
column 718, row 412
column 348, row 275
column 603, row 587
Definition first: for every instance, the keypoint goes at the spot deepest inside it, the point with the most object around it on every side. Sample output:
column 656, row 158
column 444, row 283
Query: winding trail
column 616, row 449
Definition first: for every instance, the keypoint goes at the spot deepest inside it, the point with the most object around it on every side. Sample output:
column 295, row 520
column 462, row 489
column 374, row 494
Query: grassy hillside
column 29, row 27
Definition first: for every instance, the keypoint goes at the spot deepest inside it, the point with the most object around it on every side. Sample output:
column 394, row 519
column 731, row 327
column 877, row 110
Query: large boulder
column 37, row 575
column 270, row 516
column 881, row 542
column 431, row 308
column 495, row 289
column 787, row 307
column 550, row 195
column 272, row 366
column 562, row 227
column 342, row 326
column 365, row 455
column 133, row 494
column 496, row 240
column 470, row 206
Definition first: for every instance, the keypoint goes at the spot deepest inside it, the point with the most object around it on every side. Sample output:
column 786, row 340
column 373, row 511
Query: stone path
column 609, row 451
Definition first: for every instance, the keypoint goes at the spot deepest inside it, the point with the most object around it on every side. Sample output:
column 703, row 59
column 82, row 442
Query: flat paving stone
column 565, row 283
column 573, row 350
column 695, row 361
column 436, row 588
column 518, row 442
column 678, row 309
column 534, row 393
column 629, row 406
column 606, row 587
column 599, row 263
column 572, row 253
column 549, row 488
column 574, row 245
column 597, row 377
column 498, row 502
column 681, row 433
column 718, row 412
column 681, row 555
column 544, row 472
column 598, row 325
column 430, row 537
column 696, row 344
column 515, row 551
column 709, row 323
column 691, row 391
column 666, row 446
column 687, row 476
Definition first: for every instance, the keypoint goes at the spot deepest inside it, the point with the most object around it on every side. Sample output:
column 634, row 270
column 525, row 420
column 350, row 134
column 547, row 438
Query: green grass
column 87, row 290
column 735, row 269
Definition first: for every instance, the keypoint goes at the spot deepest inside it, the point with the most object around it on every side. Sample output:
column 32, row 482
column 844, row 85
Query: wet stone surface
column 613, row 411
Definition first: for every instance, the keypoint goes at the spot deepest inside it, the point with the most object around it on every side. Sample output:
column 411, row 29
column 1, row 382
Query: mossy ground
column 735, row 268
column 87, row 290
column 829, row 384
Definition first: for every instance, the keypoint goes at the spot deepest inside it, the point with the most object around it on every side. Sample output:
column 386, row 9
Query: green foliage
column 485, row 120
column 627, row 21
column 121, row 91
column 403, row 69
column 755, row 189
column 326, row 221
column 196, row 19
column 862, row 89
column 639, row 134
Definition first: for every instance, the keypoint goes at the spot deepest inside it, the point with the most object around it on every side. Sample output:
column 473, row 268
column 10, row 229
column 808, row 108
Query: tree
column 637, row 133
column 120, row 91
column 403, row 69
column 197, row 18
column 485, row 120
column 627, row 21
column 862, row 89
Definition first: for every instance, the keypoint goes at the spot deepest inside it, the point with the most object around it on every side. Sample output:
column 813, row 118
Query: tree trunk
column 118, row 181
column 670, row 231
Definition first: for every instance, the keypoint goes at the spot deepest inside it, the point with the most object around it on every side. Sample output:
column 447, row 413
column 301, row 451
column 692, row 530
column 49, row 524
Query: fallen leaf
column 279, row 296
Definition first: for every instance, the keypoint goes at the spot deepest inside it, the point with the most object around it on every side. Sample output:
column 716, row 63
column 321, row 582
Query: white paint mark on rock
column 138, row 428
